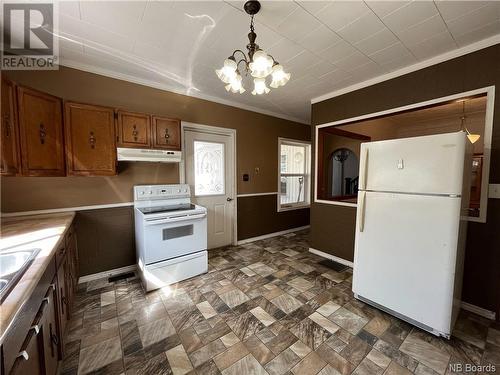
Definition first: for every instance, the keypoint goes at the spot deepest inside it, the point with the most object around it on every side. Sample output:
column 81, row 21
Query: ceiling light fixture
column 258, row 63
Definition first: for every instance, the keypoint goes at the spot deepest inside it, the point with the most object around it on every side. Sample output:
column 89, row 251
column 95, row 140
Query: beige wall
column 257, row 141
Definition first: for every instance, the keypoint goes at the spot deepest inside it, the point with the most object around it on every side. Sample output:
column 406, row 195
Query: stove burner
column 169, row 208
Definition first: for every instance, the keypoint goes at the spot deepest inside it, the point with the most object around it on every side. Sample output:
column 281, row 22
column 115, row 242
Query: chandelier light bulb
column 228, row 72
column 280, row 78
column 235, row 85
column 260, row 86
column 261, row 65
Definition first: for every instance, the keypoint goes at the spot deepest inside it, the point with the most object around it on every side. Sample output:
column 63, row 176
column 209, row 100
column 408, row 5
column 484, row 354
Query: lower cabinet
column 51, row 334
column 39, row 353
column 30, row 358
column 42, row 347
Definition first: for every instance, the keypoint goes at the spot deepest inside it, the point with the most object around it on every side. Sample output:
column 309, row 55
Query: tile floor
column 263, row 308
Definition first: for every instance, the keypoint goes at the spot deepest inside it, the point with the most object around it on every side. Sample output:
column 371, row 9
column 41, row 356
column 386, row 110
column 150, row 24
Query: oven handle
column 176, row 219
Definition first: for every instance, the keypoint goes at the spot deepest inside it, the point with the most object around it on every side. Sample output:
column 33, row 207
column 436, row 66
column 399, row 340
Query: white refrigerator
column 410, row 231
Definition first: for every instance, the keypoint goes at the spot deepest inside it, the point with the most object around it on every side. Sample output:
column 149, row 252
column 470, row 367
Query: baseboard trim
column 479, row 311
column 331, row 257
column 109, row 273
column 270, row 235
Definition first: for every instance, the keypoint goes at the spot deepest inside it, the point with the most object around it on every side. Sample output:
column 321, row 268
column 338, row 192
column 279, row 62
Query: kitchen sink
column 13, row 264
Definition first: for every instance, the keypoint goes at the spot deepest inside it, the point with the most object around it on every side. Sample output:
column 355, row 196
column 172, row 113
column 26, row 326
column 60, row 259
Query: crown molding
column 165, row 87
column 485, row 43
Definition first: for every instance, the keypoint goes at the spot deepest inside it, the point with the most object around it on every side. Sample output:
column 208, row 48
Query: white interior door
column 405, row 254
column 209, row 160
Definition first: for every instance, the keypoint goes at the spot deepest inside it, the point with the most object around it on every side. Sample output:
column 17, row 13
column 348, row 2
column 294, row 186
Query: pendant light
column 473, row 138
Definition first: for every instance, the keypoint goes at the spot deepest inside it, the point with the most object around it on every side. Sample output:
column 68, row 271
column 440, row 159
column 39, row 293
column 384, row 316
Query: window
column 294, row 179
column 208, row 168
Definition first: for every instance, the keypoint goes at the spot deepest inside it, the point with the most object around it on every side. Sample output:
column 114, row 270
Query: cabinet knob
column 7, row 126
column 42, row 133
column 92, row 139
column 135, row 132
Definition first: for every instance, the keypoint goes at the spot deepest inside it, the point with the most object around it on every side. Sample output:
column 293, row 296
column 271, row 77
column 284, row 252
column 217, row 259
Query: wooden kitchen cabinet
column 90, row 140
column 34, row 342
column 166, row 133
column 40, row 133
column 39, row 353
column 72, row 258
column 51, row 336
column 10, row 163
column 63, row 301
column 30, row 359
column 133, row 130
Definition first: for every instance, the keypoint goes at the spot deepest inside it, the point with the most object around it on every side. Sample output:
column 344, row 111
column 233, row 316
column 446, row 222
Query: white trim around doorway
column 488, row 129
column 182, row 165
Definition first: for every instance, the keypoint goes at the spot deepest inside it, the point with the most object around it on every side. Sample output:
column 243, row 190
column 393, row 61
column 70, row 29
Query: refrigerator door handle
column 361, row 218
column 364, row 170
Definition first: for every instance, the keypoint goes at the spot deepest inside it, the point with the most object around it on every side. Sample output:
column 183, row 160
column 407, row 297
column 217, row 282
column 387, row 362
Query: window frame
column 307, row 175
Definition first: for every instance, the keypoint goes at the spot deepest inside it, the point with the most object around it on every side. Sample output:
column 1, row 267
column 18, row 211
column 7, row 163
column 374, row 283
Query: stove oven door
column 174, row 237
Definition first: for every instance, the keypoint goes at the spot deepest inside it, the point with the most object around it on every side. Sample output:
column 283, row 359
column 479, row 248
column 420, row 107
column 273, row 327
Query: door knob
column 229, row 199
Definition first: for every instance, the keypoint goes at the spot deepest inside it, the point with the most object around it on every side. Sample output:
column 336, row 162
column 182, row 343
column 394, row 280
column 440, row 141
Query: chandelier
column 257, row 63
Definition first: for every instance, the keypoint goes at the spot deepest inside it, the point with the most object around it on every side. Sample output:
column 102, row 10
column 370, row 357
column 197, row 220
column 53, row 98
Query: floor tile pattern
column 265, row 307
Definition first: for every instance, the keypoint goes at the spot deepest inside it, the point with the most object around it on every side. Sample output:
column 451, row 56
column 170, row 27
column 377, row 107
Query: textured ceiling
column 326, row 45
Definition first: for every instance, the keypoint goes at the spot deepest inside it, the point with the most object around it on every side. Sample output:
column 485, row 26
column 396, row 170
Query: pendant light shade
column 473, row 138
column 260, row 86
column 228, row 72
column 280, row 78
column 235, row 85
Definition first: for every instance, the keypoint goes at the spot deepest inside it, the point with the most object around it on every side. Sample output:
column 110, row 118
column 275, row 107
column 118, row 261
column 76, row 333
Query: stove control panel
column 152, row 192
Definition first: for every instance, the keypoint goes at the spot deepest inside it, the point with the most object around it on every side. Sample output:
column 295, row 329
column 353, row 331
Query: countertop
column 26, row 232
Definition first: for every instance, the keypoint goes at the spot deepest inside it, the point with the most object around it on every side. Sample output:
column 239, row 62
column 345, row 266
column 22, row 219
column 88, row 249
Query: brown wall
column 252, row 216
column 257, row 146
column 332, row 227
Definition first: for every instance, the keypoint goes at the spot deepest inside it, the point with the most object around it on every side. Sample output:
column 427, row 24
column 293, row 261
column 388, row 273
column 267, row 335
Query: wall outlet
column 494, row 191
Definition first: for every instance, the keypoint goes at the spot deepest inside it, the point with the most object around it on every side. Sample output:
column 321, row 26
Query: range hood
column 146, row 154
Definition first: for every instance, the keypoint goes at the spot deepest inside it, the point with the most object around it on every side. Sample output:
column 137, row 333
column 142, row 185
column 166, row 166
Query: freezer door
column 405, row 254
column 427, row 165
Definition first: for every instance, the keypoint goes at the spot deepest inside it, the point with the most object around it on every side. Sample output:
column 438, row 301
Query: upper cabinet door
column 41, row 133
column 90, row 140
column 166, row 133
column 134, row 130
column 10, row 161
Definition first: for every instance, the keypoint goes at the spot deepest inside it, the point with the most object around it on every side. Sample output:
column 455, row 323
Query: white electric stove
column 170, row 235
